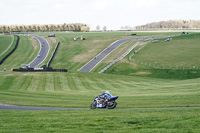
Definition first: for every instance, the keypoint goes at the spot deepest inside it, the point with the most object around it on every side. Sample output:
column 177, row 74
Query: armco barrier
column 54, row 52
column 48, row 69
column 10, row 51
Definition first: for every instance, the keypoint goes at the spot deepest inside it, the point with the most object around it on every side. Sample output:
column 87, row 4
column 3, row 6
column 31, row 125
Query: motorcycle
column 101, row 103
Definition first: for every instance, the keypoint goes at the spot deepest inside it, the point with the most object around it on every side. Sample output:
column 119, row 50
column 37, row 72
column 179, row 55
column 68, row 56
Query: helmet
column 107, row 92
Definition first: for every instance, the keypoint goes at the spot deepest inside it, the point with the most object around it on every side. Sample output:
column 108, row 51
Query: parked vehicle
column 154, row 41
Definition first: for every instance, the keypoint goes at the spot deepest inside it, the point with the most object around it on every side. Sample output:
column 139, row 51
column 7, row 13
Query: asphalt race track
column 44, row 50
column 97, row 59
column 10, row 107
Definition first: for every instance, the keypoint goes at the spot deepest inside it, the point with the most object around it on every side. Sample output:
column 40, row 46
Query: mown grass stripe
column 85, row 82
column 132, row 84
column 78, row 83
column 26, row 83
column 57, row 82
column 7, row 83
column 105, row 85
column 117, row 85
column 49, row 82
column 64, row 83
column 71, row 82
column 93, row 85
column 19, row 80
column 42, row 82
column 99, row 84
column 2, row 81
column 33, row 84
column 29, row 82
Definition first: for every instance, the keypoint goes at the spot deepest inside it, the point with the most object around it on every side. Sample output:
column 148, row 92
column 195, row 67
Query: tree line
column 170, row 24
column 44, row 28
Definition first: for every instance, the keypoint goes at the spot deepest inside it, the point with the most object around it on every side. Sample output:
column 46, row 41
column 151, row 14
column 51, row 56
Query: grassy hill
column 5, row 41
column 26, row 51
column 182, row 51
column 5, row 44
column 177, row 59
column 79, row 89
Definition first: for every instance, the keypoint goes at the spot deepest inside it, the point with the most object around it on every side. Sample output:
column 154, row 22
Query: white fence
column 159, row 66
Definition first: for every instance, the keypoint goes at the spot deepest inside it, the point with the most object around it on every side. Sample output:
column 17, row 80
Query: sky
column 110, row 13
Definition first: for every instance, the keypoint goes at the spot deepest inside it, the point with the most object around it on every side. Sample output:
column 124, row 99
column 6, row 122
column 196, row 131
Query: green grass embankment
column 5, row 41
column 26, row 52
column 177, row 59
column 79, row 90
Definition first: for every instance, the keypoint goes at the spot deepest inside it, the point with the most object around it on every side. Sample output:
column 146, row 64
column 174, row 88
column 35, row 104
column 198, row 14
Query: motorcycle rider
column 105, row 97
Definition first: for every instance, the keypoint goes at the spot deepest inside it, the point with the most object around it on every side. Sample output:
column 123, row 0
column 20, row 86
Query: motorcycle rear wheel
column 112, row 105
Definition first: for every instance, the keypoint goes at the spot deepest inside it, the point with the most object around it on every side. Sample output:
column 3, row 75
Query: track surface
column 92, row 63
column 44, row 50
column 48, row 108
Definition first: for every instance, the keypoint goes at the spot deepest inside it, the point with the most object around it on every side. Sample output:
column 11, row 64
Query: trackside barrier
column 10, row 51
column 49, row 69
column 54, row 52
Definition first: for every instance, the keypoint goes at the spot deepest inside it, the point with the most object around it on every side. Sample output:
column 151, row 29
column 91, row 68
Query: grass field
column 136, row 84
column 26, row 51
column 182, row 51
column 5, row 43
column 100, row 121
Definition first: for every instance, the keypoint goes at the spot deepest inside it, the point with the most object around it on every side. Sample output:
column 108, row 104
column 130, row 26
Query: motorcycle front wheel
column 112, row 105
column 93, row 105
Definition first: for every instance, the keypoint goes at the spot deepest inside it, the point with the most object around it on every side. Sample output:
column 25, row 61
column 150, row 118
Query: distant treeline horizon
column 44, row 28
column 170, row 24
